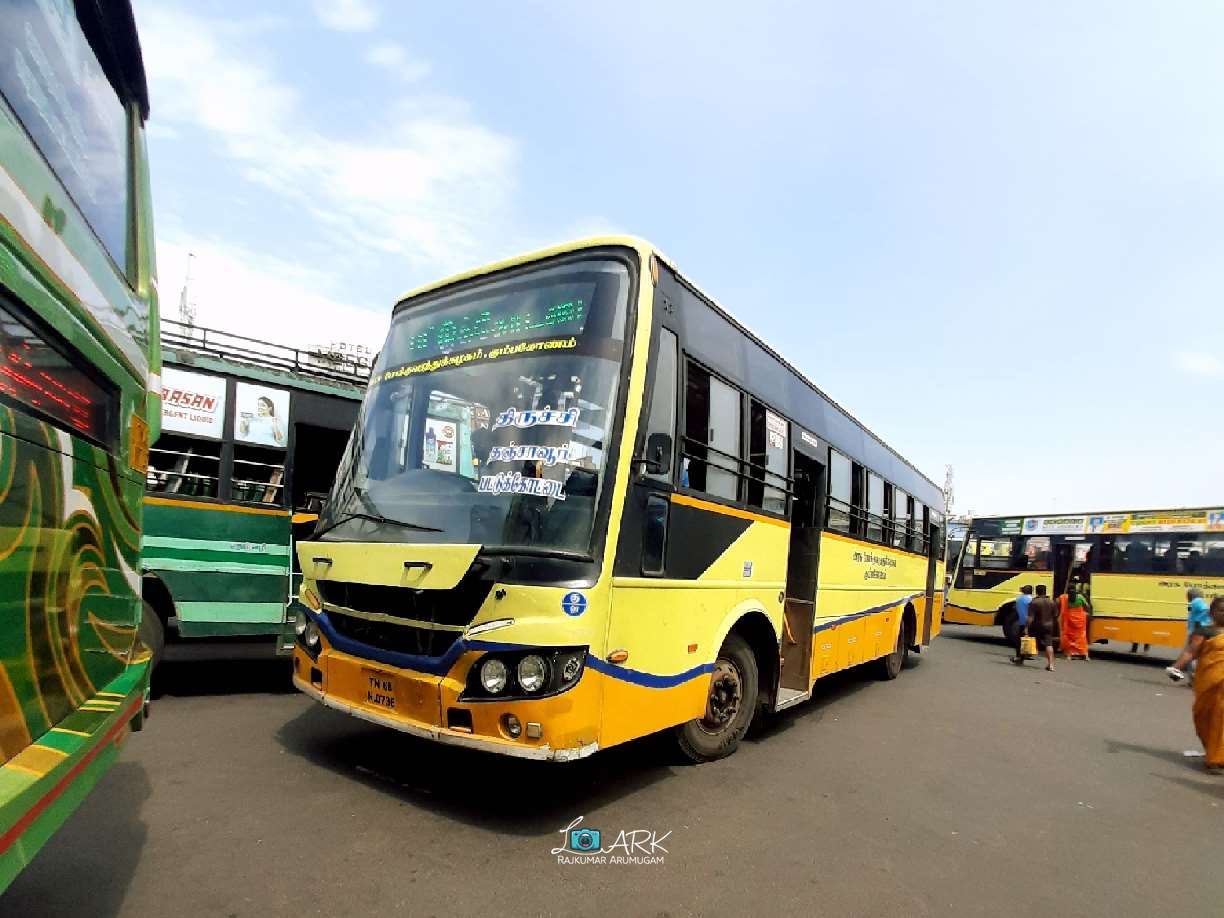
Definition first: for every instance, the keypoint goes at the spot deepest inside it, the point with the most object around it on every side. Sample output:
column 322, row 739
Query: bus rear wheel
column 732, row 701
column 1011, row 628
column 890, row 667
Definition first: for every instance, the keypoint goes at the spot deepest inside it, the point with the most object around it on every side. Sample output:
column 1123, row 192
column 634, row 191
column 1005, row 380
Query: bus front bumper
column 567, row 722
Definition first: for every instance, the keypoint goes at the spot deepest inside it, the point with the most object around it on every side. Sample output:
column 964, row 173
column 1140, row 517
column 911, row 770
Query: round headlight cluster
column 532, row 673
column 311, row 635
column 299, row 623
column 493, row 676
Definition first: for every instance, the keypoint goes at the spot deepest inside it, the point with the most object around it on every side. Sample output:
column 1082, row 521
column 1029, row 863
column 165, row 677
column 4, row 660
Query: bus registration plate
column 380, row 689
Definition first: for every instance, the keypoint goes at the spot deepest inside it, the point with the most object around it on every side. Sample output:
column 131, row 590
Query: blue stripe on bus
column 824, row 626
column 433, row 666
column 650, row 680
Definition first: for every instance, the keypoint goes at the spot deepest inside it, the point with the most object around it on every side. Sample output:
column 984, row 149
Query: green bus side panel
column 227, row 572
column 69, row 581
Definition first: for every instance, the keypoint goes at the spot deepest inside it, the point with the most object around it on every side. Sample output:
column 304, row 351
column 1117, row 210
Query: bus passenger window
column 995, row 553
column 875, row 507
column 768, row 436
column 712, row 435
column 841, row 493
column 259, row 474
column 1133, row 554
column 1207, row 557
column 186, row 466
column 918, row 532
column 1036, row 555
column 903, row 510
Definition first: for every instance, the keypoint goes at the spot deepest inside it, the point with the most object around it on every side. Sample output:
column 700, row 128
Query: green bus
column 78, row 372
column 250, row 431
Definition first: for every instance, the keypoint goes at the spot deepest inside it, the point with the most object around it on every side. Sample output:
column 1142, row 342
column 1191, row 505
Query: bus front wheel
column 734, row 686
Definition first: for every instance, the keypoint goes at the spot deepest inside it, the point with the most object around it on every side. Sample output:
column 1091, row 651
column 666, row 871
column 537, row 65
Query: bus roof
column 1071, row 513
column 646, row 249
column 110, row 27
column 237, row 355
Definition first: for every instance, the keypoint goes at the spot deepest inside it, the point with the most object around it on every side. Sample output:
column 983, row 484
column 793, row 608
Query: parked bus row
column 1134, row 566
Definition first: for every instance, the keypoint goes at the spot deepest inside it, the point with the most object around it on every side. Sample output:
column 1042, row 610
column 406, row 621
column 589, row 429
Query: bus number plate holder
column 380, row 690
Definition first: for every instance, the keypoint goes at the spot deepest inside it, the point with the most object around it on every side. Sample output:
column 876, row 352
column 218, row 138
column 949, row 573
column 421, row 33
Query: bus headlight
column 538, row 672
column 311, row 635
column 532, row 673
column 299, row 623
column 493, row 675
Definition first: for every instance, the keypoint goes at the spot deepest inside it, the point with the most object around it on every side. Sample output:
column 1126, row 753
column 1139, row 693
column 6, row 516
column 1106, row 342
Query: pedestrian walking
column 1022, row 607
column 1073, row 621
column 1209, row 687
column 1198, row 613
column 1042, row 614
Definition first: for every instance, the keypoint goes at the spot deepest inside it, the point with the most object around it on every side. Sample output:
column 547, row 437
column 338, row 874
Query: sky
column 993, row 232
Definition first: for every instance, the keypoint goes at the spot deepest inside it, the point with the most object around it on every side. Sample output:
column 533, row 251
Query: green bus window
column 259, row 474
column 841, row 492
column 662, row 418
column 184, row 466
column 60, row 93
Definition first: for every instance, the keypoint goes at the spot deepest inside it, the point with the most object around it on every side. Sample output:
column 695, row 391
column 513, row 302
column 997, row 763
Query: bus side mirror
column 658, row 458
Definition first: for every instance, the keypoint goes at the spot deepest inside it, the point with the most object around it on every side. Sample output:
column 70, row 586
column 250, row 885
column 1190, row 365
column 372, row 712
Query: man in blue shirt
column 1198, row 615
column 1022, row 608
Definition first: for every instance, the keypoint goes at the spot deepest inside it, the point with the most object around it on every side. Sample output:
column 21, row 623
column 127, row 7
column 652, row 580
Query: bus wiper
column 375, row 518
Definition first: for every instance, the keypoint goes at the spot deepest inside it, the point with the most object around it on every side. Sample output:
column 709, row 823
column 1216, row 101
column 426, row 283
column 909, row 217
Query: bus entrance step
column 788, row 698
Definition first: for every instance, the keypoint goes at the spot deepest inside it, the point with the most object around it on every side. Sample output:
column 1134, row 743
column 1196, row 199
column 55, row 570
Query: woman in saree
column 1073, row 623
column 1209, row 688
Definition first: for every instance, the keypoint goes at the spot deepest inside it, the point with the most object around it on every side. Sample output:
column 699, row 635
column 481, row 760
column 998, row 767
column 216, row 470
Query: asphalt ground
column 967, row 787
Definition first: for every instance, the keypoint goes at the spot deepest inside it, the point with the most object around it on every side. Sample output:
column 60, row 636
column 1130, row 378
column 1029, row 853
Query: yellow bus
column 583, row 504
column 1136, row 567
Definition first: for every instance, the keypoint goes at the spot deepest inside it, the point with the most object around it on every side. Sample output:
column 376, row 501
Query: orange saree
column 1073, row 625
column 1209, row 699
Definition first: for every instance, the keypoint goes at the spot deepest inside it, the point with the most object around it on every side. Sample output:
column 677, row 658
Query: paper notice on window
column 775, row 430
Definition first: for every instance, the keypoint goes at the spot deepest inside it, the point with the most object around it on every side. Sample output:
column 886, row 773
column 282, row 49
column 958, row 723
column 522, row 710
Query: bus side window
column 841, row 493
column 654, row 538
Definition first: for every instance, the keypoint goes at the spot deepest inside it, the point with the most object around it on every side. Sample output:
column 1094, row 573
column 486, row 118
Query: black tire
column 734, row 686
column 1011, row 628
column 152, row 634
column 889, row 667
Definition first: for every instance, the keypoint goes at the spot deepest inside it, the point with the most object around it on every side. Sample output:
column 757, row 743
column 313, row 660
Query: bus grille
column 455, row 607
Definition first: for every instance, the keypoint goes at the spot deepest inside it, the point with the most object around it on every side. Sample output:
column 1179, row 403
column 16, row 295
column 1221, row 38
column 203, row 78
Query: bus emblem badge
column 574, row 604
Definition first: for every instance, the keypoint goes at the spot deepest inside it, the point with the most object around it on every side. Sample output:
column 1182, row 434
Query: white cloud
column 429, row 186
column 346, row 15
column 1200, row 364
column 248, row 293
column 394, row 58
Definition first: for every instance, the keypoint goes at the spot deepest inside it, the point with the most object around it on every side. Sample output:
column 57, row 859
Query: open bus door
column 803, row 561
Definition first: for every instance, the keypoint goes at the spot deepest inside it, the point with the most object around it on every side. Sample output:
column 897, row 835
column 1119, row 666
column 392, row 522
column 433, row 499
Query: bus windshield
column 489, row 415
